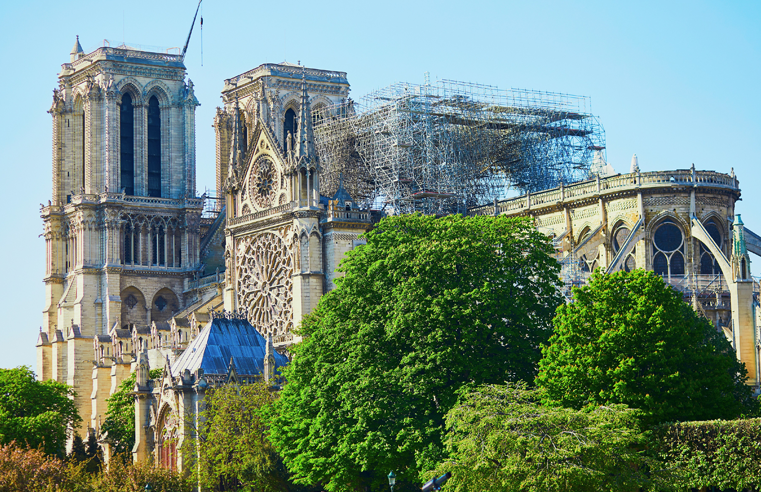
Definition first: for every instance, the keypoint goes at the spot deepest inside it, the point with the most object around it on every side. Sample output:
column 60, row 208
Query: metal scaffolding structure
column 444, row 147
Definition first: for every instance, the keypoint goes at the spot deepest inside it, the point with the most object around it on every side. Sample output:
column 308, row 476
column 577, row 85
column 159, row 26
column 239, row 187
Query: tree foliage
column 629, row 338
column 426, row 306
column 502, row 438
column 35, row 413
column 723, row 454
column 31, row 470
column 235, row 453
column 119, row 425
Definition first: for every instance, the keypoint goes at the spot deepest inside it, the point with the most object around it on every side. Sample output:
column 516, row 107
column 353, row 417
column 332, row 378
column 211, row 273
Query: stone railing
column 284, row 338
column 127, row 53
column 267, row 68
column 618, row 183
column 260, row 215
column 354, row 215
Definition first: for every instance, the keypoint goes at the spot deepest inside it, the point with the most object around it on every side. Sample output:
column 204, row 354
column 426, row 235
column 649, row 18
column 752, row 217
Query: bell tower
column 122, row 225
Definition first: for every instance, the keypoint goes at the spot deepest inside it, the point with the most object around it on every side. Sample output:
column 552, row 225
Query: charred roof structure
column 446, row 146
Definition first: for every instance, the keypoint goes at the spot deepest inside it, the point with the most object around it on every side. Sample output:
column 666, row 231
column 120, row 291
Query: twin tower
column 128, row 239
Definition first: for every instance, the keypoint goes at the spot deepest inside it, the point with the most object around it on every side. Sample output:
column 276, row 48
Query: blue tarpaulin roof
column 222, row 339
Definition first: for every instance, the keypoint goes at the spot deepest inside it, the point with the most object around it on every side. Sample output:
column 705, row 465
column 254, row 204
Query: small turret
column 76, row 52
column 740, row 260
column 635, row 164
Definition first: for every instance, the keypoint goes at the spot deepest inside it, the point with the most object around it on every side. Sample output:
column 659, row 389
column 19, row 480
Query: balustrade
column 620, row 182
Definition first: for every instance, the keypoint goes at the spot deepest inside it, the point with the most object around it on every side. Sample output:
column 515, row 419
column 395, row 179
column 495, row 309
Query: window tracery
column 264, row 283
column 668, row 249
column 708, row 264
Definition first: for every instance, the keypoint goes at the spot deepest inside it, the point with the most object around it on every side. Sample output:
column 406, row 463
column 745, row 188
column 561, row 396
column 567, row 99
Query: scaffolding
column 444, row 147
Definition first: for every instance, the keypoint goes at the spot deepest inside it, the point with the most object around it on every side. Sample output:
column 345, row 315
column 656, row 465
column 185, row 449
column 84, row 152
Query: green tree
column 501, row 438
column 119, row 425
column 630, row 338
column 234, row 452
column 426, row 306
column 36, row 413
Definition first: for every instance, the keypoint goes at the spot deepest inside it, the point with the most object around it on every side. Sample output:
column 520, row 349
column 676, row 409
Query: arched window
column 244, row 131
column 619, row 238
column 668, row 250
column 159, row 246
column 588, row 262
column 84, row 151
column 708, row 264
column 127, row 141
column 290, row 125
column 154, row 147
column 128, row 243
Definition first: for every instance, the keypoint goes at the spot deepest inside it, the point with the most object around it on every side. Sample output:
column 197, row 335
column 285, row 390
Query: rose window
column 264, row 271
column 264, row 183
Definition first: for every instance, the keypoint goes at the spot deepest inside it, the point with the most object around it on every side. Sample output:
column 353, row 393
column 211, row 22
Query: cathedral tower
column 278, row 261
column 122, row 225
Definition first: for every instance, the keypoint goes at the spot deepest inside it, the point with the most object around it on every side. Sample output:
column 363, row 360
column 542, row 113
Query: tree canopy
column 425, row 307
column 119, row 425
column 35, row 413
column 502, row 438
column 235, row 453
column 630, row 338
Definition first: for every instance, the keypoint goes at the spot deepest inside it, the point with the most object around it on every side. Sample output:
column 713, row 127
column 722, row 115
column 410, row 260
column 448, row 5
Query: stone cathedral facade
column 122, row 227
column 128, row 243
column 141, row 275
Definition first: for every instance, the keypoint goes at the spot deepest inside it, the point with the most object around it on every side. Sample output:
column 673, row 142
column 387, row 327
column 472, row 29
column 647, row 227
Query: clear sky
column 674, row 82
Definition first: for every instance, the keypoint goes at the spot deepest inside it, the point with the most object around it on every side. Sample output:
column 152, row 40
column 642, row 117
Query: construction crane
column 185, row 48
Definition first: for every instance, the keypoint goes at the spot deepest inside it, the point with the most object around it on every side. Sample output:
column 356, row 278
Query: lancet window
column 708, row 264
column 127, row 142
column 668, row 250
column 154, row 147
column 129, row 244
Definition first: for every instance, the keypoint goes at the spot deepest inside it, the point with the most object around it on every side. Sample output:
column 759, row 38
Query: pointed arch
column 127, row 142
column 160, row 90
column 154, row 146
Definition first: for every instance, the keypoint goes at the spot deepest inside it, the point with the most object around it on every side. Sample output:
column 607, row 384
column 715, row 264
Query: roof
column 222, row 339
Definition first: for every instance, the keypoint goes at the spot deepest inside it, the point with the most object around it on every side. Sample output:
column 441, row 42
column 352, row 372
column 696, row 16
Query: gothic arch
column 290, row 100
column 131, row 85
column 585, row 228
column 163, row 305
column 160, row 90
column 167, row 434
column 667, row 255
column 663, row 215
column 78, row 104
column 133, row 307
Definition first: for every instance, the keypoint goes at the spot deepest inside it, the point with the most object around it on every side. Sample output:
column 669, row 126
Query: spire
column 76, row 51
column 635, row 164
column 236, row 138
column 305, row 141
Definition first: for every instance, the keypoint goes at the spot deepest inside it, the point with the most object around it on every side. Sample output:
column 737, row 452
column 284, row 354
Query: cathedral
column 138, row 269
column 142, row 273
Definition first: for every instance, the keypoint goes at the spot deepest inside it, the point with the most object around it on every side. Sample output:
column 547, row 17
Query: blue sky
column 674, row 82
